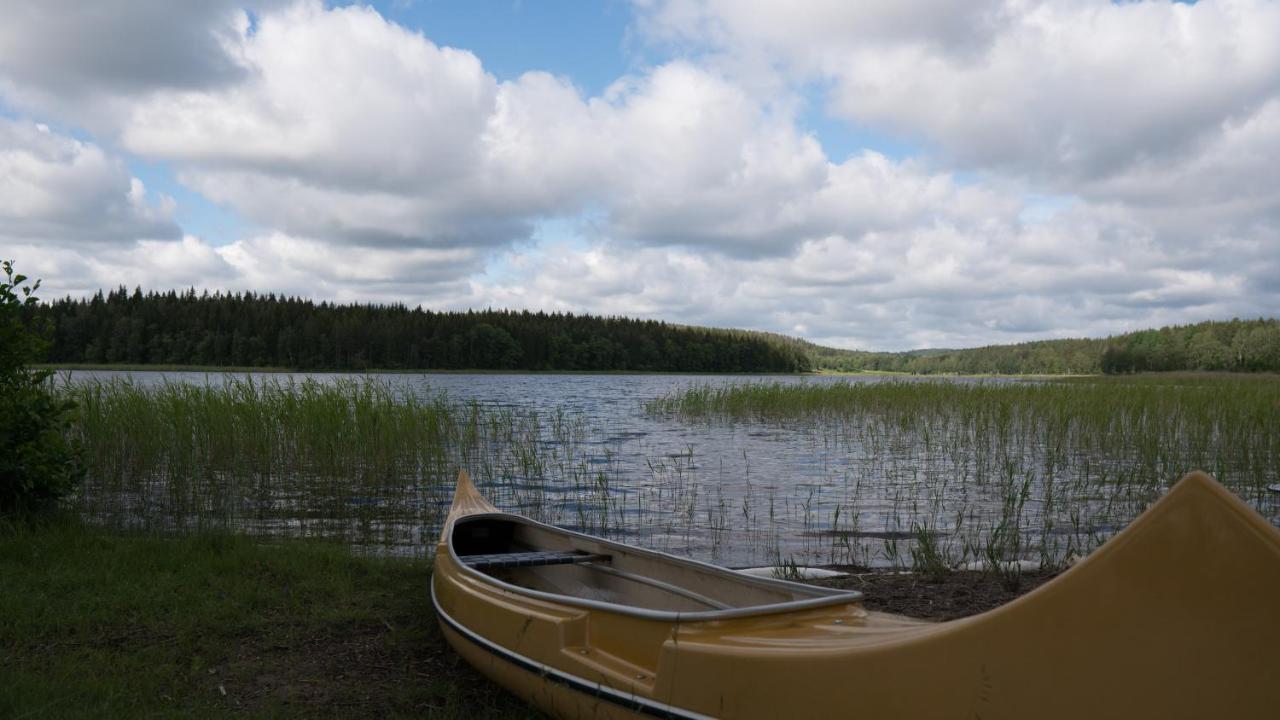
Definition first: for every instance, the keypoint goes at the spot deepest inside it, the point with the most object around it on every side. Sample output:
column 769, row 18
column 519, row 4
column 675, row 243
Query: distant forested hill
column 250, row 330
column 1235, row 345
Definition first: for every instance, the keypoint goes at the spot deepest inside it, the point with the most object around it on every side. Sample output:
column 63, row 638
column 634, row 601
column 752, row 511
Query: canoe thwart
column 530, row 558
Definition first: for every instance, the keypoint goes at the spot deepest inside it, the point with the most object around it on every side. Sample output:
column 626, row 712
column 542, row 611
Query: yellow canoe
column 1178, row 616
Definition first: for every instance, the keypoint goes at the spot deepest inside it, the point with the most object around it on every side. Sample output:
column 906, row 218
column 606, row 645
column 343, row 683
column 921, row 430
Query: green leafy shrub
column 38, row 464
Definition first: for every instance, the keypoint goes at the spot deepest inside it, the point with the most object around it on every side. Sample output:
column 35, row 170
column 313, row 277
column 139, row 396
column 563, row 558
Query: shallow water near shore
column 867, row 487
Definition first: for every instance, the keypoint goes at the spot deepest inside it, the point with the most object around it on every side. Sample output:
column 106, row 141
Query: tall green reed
column 991, row 472
column 356, row 459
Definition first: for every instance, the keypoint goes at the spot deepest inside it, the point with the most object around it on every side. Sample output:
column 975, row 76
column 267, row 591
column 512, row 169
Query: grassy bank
column 95, row 623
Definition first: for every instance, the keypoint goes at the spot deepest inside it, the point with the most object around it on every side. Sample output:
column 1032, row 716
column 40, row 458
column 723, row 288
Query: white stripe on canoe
column 569, row 679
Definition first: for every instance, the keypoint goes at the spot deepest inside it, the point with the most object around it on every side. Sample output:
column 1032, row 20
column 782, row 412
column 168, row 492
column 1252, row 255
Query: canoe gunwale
column 823, row 597
column 628, row 700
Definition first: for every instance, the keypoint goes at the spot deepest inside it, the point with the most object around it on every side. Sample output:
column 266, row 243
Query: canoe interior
column 587, row 568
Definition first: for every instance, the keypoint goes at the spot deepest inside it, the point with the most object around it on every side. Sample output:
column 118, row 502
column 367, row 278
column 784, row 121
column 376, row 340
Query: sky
column 879, row 175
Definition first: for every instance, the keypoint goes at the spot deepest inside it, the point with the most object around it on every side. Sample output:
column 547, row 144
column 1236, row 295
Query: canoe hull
column 558, row 695
column 554, row 699
column 1174, row 618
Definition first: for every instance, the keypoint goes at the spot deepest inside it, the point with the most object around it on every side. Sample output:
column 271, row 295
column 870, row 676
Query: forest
column 252, row 330
column 1232, row 345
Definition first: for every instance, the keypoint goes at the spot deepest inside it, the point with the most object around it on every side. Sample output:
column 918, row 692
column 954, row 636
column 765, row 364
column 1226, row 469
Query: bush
column 38, row 464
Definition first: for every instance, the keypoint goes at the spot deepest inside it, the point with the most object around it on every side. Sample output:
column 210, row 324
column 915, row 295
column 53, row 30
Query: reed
column 901, row 473
column 998, row 471
column 359, row 460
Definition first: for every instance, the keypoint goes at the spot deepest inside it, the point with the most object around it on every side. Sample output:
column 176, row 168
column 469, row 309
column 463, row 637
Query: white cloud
column 398, row 142
column 1123, row 157
column 938, row 285
column 298, row 266
column 1063, row 92
column 150, row 264
column 808, row 34
column 57, row 189
column 273, row 263
column 84, row 62
column 379, row 142
column 1230, row 184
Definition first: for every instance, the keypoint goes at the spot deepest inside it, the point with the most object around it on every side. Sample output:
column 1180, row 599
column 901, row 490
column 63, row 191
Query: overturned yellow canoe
column 1178, row 616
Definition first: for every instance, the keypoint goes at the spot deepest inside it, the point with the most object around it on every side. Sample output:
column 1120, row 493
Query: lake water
column 735, row 493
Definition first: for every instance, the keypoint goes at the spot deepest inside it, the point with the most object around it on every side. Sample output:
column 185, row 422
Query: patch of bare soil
column 957, row 595
column 399, row 667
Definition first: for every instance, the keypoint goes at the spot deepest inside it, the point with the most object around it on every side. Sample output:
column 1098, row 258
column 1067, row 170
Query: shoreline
column 215, row 369
column 256, row 370
column 822, row 372
column 220, row 625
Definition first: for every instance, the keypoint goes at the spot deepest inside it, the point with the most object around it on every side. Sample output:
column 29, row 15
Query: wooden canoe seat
column 530, row 558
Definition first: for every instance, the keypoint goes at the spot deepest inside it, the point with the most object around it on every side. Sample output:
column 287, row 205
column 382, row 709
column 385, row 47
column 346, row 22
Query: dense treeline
column 1234, row 345
column 250, row 330
column 1244, row 346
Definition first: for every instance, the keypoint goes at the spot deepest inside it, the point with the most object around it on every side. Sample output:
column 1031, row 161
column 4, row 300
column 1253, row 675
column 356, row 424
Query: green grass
column 95, row 623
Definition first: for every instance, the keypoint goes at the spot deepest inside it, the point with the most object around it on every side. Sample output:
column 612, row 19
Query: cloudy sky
column 881, row 174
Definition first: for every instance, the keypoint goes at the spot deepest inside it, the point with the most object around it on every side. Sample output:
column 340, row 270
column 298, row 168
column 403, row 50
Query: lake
column 749, row 491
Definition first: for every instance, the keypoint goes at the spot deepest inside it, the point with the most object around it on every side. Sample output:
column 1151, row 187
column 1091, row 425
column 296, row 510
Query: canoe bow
column 467, row 500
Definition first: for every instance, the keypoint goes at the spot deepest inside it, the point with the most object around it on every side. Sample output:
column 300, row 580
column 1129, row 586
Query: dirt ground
column 957, row 595
column 401, row 667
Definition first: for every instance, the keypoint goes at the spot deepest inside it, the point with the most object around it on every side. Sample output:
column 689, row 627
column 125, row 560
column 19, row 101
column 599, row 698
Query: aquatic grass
column 948, row 472
column 902, row 472
column 359, row 460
